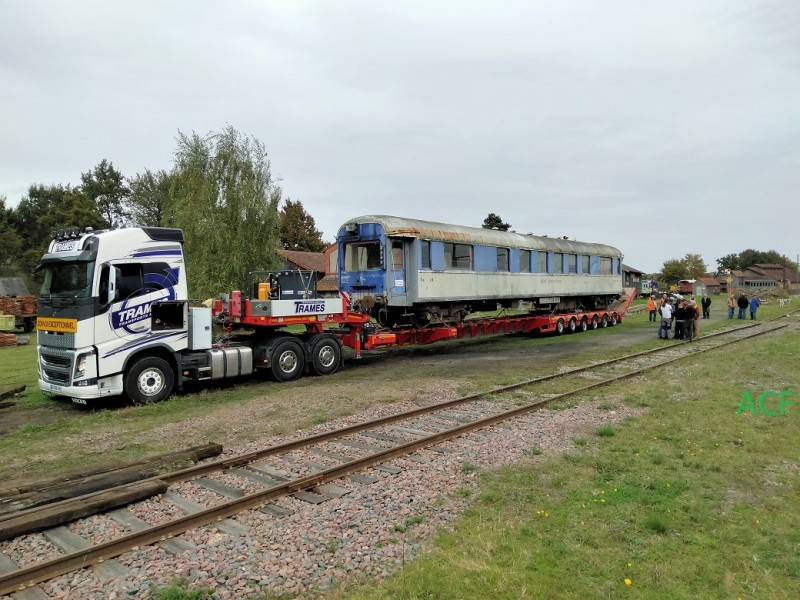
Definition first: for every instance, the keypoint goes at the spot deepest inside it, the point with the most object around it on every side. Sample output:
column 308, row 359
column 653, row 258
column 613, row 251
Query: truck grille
column 56, row 366
column 56, row 340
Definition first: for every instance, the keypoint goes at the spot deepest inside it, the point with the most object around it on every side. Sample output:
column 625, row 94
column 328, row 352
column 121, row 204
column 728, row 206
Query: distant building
column 707, row 285
column 632, row 278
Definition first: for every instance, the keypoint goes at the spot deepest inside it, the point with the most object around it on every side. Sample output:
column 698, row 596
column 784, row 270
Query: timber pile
column 8, row 339
column 36, row 505
column 18, row 305
column 12, row 391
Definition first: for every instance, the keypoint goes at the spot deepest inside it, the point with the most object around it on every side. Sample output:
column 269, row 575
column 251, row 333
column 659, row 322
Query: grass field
column 696, row 499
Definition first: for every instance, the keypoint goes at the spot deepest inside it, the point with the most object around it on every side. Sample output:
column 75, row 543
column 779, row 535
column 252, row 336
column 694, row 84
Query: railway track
column 315, row 469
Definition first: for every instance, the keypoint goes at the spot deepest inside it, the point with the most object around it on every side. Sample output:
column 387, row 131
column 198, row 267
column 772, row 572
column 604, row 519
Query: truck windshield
column 68, row 279
column 363, row 256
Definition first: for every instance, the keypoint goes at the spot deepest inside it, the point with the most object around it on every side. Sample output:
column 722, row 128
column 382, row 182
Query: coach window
column 542, row 262
column 558, row 262
column 362, row 256
column 572, row 263
column 397, row 255
column 502, row 259
column 584, row 264
column 605, row 265
column 458, row 256
column 524, row 261
column 425, row 254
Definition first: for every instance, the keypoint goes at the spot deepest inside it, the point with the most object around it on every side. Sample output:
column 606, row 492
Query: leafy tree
column 690, row 266
column 12, row 241
column 729, row 261
column 150, row 201
column 226, row 202
column 48, row 208
column 494, row 221
column 105, row 186
column 695, row 267
column 673, row 271
column 298, row 230
column 750, row 257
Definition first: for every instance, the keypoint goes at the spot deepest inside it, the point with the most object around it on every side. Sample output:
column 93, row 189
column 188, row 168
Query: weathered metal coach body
column 413, row 272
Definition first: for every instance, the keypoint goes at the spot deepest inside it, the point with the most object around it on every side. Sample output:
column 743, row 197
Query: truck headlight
column 80, row 364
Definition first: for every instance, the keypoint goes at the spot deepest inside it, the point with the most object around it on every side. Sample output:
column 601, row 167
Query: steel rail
column 29, row 576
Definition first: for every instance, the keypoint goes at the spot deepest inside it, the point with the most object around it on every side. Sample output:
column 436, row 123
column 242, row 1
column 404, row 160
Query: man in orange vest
column 651, row 307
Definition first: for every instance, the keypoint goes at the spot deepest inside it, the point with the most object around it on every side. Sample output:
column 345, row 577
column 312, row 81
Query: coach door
column 398, row 259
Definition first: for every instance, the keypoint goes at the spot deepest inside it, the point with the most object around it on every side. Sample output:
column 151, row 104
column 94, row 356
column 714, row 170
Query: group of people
column 683, row 313
column 742, row 303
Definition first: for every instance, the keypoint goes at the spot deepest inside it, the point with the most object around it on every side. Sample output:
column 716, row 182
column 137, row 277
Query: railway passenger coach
column 411, row 272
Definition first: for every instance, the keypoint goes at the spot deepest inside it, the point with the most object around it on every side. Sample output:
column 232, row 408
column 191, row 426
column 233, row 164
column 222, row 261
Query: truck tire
column 149, row 380
column 326, row 354
column 287, row 360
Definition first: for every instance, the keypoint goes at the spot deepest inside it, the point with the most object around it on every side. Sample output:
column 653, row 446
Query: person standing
column 694, row 314
column 651, row 308
column 754, row 304
column 706, row 304
column 742, row 303
column 666, row 321
column 731, row 304
column 679, row 319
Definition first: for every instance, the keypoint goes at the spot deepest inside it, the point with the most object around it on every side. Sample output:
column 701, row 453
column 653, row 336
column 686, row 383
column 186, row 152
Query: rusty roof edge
column 398, row 226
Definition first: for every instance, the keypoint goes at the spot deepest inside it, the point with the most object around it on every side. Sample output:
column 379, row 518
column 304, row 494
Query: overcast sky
column 661, row 128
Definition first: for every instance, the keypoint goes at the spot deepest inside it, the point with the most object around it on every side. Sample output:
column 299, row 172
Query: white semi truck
column 114, row 317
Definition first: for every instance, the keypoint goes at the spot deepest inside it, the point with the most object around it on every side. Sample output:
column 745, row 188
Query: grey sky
column 661, row 128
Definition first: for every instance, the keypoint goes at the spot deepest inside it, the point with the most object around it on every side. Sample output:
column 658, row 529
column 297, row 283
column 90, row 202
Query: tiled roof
column 308, row 261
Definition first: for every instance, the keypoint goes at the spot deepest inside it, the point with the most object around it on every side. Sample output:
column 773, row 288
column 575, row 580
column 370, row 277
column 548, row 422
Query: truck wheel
column 560, row 327
column 287, row 360
column 613, row 319
column 594, row 322
column 604, row 322
column 573, row 325
column 326, row 355
column 584, row 324
column 149, row 380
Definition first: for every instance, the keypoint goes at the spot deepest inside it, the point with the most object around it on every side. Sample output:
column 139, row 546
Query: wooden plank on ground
column 50, row 516
column 31, row 593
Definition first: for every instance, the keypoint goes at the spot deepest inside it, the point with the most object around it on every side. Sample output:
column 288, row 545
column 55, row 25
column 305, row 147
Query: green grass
column 691, row 500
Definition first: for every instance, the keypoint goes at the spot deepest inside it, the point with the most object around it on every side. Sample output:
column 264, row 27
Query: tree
column 695, row 267
column 150, row 202
column 48, row 208
column 729, row 261
column 494, row 221
column 690, row 266
column 750, row 257
column 225, row 200
column 12, row 241
column 105, row 186
column 298, row 230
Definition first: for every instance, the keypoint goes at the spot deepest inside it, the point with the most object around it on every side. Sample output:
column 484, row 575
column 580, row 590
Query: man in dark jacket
column 706, row 304
column 742, row 303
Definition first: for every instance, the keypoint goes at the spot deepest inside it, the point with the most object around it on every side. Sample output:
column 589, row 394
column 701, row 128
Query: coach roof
column 431, row 230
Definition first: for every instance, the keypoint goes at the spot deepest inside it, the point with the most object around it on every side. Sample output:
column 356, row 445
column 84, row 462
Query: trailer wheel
column 560, row 327
column 594, row 322
column 604, row 322
column 326, row 355
column 613, row 320
column 149, row 380
column 584, row 325
column 287, row 360
column 573, row 325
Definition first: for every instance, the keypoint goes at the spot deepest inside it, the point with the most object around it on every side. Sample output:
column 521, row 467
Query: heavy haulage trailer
column 114, row 318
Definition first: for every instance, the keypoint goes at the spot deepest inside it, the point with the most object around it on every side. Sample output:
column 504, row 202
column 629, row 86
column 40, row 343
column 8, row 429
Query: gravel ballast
column 368, row 533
